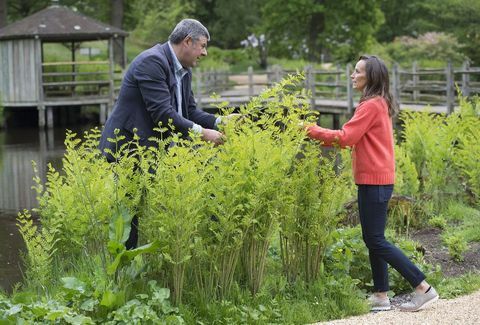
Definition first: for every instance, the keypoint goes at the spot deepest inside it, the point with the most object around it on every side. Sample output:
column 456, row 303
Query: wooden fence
column 331, row 89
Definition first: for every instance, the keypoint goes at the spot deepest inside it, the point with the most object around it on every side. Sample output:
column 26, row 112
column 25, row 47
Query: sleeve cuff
column 218, row 121
column 197, row 128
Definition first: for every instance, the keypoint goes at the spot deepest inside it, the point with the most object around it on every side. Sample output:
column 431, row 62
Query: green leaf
column 89, row 304
column 126, row 256
column 78, row 320
column 120, row 224
column 109, row 299
column 74, row 284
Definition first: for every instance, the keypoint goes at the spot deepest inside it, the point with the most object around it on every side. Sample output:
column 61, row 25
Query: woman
column 370, row 135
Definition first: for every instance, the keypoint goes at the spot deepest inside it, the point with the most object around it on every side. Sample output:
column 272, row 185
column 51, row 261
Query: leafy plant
column 41, row 246
column 457, row 246
column 438, row 222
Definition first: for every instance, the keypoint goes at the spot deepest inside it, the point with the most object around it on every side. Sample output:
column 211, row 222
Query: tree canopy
column 336, row 30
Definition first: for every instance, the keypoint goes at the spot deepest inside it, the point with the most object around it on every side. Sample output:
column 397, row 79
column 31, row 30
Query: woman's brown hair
column 378, row 83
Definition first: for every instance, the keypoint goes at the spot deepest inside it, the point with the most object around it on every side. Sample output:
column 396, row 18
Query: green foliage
column 316, row 197
column 406, row 175
column 342, row 28
column 442, row 148
column 438, row 222
column 454, row 287
column 41, row 245
column 457, row 246
column 428, row 147
column 349, row 255
column 432, row 49
column 468, row 149
column 149, row 13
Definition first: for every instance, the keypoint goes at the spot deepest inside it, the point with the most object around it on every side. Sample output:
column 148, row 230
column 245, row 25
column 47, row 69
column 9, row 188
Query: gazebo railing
column 76, row 79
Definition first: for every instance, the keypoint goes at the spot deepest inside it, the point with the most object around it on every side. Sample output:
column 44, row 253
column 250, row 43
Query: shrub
column 428, row 49
column 438, row 222
column 457, row 246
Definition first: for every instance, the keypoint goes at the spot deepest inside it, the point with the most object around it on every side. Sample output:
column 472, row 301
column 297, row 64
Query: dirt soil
column 437, row 253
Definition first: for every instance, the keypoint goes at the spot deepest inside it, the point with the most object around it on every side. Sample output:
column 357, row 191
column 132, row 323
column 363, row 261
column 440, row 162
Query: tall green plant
column 467, row 151
column 427, row 140
column 316, row 197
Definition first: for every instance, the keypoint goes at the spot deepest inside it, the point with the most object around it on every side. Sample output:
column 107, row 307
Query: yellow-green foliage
column 79, row 199
column 430, row 140
column 212, row 210
column 314, row 198
column 41, row 246
column 467, row 151
column 406, row 176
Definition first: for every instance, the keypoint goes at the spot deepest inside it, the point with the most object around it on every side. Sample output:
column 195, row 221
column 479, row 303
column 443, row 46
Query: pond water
column 18, row 148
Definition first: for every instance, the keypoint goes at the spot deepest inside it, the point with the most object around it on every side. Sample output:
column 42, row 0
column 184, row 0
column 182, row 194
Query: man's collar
column 178, row 66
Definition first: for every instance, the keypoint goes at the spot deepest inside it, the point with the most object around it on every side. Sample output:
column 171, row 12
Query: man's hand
column 212, row 136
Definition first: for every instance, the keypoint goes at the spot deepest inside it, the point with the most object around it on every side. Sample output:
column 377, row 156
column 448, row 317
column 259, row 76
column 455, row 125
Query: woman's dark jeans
column 372, row 207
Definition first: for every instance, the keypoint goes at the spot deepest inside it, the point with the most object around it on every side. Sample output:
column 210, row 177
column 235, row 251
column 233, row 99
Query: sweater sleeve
column 351, row 132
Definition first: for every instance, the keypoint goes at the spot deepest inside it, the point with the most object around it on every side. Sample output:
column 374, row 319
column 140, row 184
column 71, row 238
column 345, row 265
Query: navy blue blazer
column 147, row 97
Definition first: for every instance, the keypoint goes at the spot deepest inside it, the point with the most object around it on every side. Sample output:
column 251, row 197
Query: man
column 157, row 89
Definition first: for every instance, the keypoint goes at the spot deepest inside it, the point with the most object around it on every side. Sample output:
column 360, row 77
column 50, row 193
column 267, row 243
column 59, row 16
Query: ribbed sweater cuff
column 375, row 179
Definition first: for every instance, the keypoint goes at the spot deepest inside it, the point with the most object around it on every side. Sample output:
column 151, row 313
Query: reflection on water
column 18, row 147
column 10, row 260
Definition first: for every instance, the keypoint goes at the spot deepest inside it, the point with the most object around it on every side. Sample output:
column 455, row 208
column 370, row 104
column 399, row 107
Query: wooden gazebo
column 27, row 80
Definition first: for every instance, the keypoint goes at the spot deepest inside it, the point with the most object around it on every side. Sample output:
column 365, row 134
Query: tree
column 229, row 21
column 312, row 28
column 3, row 13
column 116, row 20
column 19, row 9
column 404, row 18
column 155, row 19
column 461, row 18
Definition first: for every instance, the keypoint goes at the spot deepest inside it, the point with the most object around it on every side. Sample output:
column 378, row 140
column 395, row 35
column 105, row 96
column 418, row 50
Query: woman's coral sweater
column 370, row 135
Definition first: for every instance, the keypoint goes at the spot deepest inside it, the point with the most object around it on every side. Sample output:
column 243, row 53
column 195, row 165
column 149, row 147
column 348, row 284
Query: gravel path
column 461, row 310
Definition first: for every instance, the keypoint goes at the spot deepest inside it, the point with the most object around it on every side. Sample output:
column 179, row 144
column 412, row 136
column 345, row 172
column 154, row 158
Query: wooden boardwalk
column 331, row 90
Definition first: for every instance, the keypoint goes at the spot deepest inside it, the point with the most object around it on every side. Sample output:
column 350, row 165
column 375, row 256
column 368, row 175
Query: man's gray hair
column 188, row 27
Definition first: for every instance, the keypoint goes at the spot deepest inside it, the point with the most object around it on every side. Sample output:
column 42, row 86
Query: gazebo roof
column 59, row 23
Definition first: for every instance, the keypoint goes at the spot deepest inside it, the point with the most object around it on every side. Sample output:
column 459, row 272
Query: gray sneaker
column 379, row 304
column 420, row 300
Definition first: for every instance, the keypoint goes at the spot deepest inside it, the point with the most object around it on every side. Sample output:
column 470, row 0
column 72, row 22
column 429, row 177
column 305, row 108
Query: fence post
column 250, row 82
column 466, row 79
column 198, row 86
column 337, row 81
column 416, row 81
column 396, row 82
column 349, row 90
column 450, row 87
column 310, row 84
column 277, row 74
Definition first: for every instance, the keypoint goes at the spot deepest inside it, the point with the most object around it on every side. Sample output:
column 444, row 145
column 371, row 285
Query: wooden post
column 40, row 93
column 337, row 81
column 103, row 113
column 336, row 121
column 466, row 79
column 250, row 82
column 396, row 83
column 450, row 88
column 349, row 90
column 278, row 73
column 111, row 88
column 310, row 84
column 41, row 116
column 416, row 81
column 50, row 117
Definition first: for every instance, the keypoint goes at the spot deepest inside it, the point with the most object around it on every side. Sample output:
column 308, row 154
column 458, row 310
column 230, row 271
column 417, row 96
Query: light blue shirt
column 180, row 72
